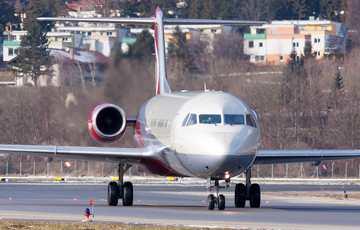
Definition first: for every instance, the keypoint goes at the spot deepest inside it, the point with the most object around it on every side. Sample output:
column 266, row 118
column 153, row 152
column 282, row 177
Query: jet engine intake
column 107, row 123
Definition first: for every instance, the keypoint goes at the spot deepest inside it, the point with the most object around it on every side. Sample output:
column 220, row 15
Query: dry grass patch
column 16, row 225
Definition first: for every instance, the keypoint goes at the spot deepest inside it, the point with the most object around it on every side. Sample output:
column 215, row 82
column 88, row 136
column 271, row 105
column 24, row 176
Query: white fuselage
column 203, row 134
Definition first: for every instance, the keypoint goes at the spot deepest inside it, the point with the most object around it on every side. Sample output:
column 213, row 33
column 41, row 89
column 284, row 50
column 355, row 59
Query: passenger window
column 234, row 119
column 209, row 118
column 192, row 120
column 185, row 120
column 250, row 121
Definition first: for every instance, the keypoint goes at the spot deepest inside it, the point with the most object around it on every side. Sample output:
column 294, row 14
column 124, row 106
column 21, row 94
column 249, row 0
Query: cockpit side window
column 250, row 121
column 234, row 119
column 209, row 118
column 192, row 120
column 185, row 120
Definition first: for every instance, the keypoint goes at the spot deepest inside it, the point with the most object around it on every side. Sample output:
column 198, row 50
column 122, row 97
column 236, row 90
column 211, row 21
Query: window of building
column 251, row 44
column 273, row 30
column 89, row 33
column 293, row 44
column 260, row 44
column 324, row 27
column 317, row 40
column 259, row 58
column 109, row 33
column 65, row 39
column 16, row 51
column 317, row 53
column 297, row 44
column 11, row 51
column 213, row 30
column 297, row 58
column 281, row 57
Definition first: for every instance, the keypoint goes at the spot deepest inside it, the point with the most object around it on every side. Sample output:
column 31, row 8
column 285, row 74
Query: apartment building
column 271, row 44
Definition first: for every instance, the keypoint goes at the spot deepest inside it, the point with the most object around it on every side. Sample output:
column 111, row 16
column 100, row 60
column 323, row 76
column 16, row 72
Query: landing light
column 227, row 176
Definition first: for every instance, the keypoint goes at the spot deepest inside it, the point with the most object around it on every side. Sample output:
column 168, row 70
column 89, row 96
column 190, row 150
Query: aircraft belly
column 204, row 166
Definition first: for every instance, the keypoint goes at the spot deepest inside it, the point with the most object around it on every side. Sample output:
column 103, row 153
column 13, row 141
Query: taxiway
column 179, row 204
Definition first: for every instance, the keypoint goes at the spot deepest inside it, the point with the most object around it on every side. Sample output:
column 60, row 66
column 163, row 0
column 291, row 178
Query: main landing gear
column 120, row 189
column 249, row 192
column 243, row 192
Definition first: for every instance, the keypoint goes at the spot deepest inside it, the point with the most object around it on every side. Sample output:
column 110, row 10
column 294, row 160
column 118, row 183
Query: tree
column 143, row 47
column 255, row 10
column 338, row 89
column 178, row 48
column 6, row 15
column 308, row 50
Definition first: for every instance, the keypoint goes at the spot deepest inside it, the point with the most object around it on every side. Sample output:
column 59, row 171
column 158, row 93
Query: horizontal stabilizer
column 152, row 21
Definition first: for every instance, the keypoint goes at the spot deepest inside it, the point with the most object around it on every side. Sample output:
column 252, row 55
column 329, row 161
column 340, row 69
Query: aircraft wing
column 298, row 156
column 81, row 153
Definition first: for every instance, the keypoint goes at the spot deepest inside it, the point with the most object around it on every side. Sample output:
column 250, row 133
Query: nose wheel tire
column 221, row 204
column 255, row 196
column 211, row 202
column 113, row 194
column 240, row 195
column 128, row 194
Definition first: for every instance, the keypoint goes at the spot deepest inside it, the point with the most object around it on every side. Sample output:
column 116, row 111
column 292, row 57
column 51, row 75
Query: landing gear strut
column 218, row 200
column 249, row 192
column 120, row 189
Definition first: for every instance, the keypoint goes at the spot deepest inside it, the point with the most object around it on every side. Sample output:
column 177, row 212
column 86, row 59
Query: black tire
column 211, row 202
column 128, row 194
column 113, row 194
column 255, row 196
column 240, row 195
column 221, row 204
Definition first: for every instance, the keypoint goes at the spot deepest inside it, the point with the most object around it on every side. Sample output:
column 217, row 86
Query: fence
column 337, row 169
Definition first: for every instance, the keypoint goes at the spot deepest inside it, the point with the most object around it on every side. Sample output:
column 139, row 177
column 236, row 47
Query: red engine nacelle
column 107, row 123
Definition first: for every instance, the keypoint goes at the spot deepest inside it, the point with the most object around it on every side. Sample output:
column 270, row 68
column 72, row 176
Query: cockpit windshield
column 209, row 119
column 234, row 119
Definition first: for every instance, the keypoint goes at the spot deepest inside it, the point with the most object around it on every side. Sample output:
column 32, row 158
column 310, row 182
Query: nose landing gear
column 218, row 200
column 120, row 189
column 249, row 192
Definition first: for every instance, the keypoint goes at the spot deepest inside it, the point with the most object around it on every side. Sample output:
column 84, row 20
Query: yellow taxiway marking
column 207, row 222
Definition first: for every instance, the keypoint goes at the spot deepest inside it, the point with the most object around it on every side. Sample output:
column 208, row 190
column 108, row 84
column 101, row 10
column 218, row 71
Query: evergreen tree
column 300, row 9
column 33, row 59
column 143, row 47
column 179, row 49
column 308, row 50
column 338, row 89
column 6, row 15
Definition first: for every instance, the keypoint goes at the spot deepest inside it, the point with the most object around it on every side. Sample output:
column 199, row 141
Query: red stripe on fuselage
column 140, row 143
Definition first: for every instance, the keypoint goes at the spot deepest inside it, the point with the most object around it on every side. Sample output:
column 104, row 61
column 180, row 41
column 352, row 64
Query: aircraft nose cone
column 227, row 143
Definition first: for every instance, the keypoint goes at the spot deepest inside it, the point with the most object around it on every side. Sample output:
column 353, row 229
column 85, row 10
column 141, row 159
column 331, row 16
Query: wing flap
column 298, row 156
column 81, row 153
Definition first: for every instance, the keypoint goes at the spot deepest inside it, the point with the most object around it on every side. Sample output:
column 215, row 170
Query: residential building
column 70, row 67
column 57, row 40
column 273, row 43
column 100, row 39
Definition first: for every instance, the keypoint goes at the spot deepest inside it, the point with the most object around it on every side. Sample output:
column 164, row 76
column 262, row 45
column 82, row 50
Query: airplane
column 212, row 135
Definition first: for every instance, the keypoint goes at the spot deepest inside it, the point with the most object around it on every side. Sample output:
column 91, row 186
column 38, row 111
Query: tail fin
column 157, row 22
column 162, row 86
